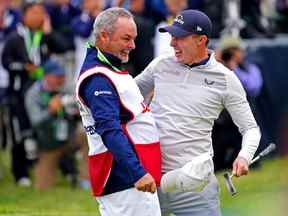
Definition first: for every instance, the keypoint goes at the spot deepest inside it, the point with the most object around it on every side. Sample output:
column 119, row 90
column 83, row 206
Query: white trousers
column 130, row 202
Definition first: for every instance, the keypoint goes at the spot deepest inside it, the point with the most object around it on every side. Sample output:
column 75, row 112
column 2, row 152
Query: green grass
column 62, row 200
column 262, row 193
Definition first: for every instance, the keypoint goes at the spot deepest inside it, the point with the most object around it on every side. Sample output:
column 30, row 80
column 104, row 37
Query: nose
column 131, row 44
column 173, row 41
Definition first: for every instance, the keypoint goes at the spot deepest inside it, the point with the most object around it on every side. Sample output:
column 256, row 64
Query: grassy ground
column 262, row 193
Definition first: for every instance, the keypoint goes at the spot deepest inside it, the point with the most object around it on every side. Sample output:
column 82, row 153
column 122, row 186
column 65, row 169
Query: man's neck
column 201, row 61
column 202, row 56
column 109, row 59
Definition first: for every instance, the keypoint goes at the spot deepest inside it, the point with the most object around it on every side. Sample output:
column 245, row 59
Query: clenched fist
column 240, row 167
column 146, row 184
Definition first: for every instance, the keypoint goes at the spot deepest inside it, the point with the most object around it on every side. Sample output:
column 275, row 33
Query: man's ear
column 202, row 39
column 104, row 37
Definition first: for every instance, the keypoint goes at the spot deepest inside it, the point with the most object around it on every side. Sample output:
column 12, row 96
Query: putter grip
column 266, row 151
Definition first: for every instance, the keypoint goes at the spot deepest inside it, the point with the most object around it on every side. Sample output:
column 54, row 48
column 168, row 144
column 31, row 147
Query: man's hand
column 46, row 27
column 240, row 167
column 55, row 104
column 146, row 184
column 30, row 67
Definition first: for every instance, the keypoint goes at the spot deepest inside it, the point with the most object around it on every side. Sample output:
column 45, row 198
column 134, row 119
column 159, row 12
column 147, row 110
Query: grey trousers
column 204, row 203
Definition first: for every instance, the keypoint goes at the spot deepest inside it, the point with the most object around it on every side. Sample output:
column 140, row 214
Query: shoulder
column 226, row 72
column 233, row 84
column 224, row 75
column 34, row 90
column 13, row 37
column 90, row 63
column 229, row 75
column 15, row 13
column 163, row 61
column 96, row 81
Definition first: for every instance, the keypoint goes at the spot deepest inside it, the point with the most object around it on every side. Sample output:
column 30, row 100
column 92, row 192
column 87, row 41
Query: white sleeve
column 250, row 143
column 145, row 80
column 162, row 42
column 35, row 113
column 236, row 103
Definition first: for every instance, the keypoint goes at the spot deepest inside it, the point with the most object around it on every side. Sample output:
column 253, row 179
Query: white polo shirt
column 187, row 101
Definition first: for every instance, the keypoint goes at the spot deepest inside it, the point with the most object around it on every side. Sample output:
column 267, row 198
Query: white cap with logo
column 193, row 176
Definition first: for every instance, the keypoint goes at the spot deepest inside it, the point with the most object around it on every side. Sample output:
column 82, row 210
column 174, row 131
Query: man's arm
column 82, row 25
column 14, row 57
column 145, row 80
column 56, row 42
column 37, row 115
column 237, row 105
column 102, row 99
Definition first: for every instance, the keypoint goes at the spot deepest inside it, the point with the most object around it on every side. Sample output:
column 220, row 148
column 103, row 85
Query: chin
column 180, row 60
column 124, row 60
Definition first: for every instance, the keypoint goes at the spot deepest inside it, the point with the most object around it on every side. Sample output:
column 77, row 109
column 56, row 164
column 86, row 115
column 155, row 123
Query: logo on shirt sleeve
column 97, row 93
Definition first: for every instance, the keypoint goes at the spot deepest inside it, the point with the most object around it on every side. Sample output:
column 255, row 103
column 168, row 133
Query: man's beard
column 125, row 60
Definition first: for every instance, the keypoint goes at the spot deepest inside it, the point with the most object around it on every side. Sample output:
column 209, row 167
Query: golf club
column 228, row 177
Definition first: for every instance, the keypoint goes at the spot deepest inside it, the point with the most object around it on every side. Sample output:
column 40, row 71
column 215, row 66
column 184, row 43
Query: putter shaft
column 228, row 177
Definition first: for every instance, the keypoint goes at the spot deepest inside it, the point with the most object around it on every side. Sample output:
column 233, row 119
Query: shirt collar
column 210, row 61
column 202, row 62
column 110, row 60
column 107, row 58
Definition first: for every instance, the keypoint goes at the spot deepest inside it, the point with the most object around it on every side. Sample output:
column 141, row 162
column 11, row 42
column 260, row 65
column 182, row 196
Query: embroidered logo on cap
column 199, row 28
column 179, row 19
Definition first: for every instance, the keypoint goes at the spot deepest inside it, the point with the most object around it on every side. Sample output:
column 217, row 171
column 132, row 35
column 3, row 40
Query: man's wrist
column 138, row 175
column 241, row 157
column 244, row 155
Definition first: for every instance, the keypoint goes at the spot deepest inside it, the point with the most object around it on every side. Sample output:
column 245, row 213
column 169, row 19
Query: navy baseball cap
column 189, row 22
column 53, row 67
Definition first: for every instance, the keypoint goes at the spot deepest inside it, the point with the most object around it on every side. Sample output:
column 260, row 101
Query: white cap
column 193, row 176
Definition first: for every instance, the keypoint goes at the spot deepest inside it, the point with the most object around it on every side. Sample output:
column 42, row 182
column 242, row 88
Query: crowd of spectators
column 37, row 36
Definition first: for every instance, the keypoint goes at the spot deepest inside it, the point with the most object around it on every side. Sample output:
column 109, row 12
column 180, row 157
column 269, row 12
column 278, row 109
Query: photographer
column 24, row 52
column 50, row 121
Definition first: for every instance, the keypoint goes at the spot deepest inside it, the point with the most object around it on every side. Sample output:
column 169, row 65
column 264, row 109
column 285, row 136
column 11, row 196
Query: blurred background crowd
column 42, row 46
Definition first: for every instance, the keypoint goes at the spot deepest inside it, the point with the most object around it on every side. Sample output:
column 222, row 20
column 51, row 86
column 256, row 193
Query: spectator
column 47, row 116
column 118, row 3
column 23, row 53
column 82, row 26
column 282, row 21
column 55, row 129
column 156, row 9
column 215, row 10
column 143, row 53
column 62, row 12
column 8, row 21
column 249, row 74
column 250, row 11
